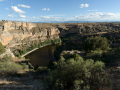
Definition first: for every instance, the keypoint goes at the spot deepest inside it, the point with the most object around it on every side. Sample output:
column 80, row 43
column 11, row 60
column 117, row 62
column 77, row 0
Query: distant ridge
column 67, row 22
column 80, row 22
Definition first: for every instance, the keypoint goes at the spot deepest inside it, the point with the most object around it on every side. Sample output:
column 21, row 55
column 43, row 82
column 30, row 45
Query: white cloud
column 57, row 15
column 98, row 16
column 1, row 0
column 11, row 16
column 45, row 9
column 17, row 10
column 6, row 8
column 35, row 17
column 24, row 6
column 48, row 17
column 84, row 5
column 48, row 9
column 22, row 16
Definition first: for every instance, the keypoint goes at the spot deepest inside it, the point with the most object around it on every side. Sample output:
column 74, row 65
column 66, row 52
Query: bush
column 77, row 74
column 96, row 43
column 42, row 69
column 94, row 55
column 7, row 66
column 50, row 65
column 2, row 49
column 24, row 66
column 6, row 58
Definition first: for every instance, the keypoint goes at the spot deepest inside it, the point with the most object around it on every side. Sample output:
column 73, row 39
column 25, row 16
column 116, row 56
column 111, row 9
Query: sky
column 59, row 10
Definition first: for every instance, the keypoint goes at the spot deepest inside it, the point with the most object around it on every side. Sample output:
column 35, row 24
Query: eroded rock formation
column 17, row 33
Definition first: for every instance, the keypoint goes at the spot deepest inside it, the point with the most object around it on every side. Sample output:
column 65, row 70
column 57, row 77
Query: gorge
column 21, row 37
column 17, row 35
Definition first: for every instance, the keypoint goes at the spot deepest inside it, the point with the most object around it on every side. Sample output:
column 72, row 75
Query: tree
column 96, row 43
column 77, row 74
column 2, row 49
column 50, row 65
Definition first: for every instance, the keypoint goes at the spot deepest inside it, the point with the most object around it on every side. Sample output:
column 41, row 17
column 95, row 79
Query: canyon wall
column 21, row 33
column 66, row 28
column 17, row 33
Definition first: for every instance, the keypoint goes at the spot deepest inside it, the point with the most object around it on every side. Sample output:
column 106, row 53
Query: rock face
column 17, row 33
column 66, row 28
column 18, row 25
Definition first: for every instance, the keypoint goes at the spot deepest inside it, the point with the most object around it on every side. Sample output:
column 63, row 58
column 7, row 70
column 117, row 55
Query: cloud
column 84, row 5
column 45, row 9
column 24, row 6
column 11, row 16
column 6, row 8
column 57, row 15
column 17, row 10
column 98, row 16
column 35, row 17
column 48, row 17
column 48, row 9
column 1, row 0
column 22, row 16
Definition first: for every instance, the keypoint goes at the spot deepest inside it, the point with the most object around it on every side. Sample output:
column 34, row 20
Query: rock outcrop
column 17, row 33
column 66, row 28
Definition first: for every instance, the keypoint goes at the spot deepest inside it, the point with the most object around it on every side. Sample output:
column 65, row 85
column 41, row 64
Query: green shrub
column 77, row 74
column 2, row 49
column 24, row 66
column 96, row 43
column 50, row 65
column 42, row 69
column 24, row 50
column 6, row 58
column 94, row 54
column 7, row 66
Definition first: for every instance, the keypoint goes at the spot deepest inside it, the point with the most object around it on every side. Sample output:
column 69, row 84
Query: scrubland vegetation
column 72, row 71
column 77, row 74
column 8, row 66
column 2, row 49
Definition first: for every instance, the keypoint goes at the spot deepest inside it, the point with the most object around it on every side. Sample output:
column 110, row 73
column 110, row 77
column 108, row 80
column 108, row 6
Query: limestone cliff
column 17, row 33
column 21, row 33
column 66, row 28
